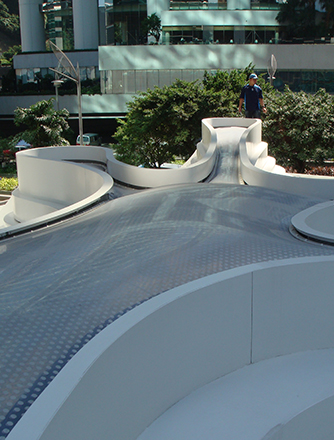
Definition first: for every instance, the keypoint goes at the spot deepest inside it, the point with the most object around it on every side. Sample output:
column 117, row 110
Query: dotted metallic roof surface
column 63, row 284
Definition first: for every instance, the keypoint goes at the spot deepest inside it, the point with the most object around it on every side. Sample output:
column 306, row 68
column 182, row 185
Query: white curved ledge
column 259, row 169
column 196, row 169
column 284, row 398
column 316, row 222
column 59, row 187
column 168, row 347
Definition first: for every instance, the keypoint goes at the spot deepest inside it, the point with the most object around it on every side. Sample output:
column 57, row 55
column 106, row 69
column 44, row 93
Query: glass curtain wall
column 221, row 35
column 133, row 81
column 58, row 23
column 123, row 22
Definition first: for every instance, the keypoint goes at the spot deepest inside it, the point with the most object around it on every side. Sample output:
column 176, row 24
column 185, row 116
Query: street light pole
column 79, row 106
column 72, row 74
column 57, row 83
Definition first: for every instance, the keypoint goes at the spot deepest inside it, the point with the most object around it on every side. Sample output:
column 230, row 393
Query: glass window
column 129, row 81
column 58, row 22
column 188, row 75
column 152, row 78
column 117, row 81
column 141, row 83
column 164, row 78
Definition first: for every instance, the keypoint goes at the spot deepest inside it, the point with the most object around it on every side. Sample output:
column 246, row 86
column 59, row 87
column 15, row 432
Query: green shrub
column 8, row 183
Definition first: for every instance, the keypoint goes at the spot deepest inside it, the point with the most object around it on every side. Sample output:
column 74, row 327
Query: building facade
column 107, row 40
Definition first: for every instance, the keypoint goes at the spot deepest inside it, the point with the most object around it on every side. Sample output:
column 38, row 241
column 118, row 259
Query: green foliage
column 328, row 22
column 165, row 122
column 300, row 19
column 229, row 84
column 151, row 26
column 90, row 87
column 299, row 128
column 44, row 125
column 8, row 183
column 8, row 55
column 9, row 23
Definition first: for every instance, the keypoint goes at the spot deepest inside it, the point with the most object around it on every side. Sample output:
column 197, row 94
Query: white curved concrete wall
column 304, row 185
column 161, row 351
column 316, row 423
column 195, row 170
column 316, row 222
column 57, row 183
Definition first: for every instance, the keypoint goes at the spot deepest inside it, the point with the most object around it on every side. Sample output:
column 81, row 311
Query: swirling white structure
column 245, row 354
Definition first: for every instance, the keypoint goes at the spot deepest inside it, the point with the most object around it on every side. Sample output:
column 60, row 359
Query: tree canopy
column 151, row 26
column 166, row 122
column 299, row 128
column 44, row 125
column 9, row 23
column 301, row 19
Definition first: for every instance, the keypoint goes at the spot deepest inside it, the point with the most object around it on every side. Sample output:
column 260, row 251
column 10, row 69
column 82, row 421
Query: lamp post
column 57, row 83
column 66, row 69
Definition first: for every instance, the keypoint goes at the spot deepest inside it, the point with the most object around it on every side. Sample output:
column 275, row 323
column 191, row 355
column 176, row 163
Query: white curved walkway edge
column 316, row 222
column 60, row 187
column 259, row 169
column 124, row 378
column 284, row 398
column 52, row 186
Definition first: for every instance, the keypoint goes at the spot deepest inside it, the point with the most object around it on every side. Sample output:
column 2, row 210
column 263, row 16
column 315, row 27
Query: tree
column 301, row 18
column 299, row 128
column 165, row 122
column 151, row 26
column 229, row 84
column 8, row 55
column 44, row 125
column 9, row 23
column 328, row 22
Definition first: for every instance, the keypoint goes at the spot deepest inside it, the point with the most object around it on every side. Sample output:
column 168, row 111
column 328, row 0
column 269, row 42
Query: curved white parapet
column 288, row 397
column 316, row 222
column 196, row 169
column 52, row 186
column 168, row 347
column 259, row 169
column 59, row 186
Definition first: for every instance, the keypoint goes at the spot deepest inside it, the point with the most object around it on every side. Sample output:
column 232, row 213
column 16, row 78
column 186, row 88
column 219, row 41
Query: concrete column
column 208, row 34
column 32, row 26
column 85, row 24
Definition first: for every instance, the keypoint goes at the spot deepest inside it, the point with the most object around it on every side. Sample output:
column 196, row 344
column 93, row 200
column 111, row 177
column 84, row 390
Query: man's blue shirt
column 251, row 96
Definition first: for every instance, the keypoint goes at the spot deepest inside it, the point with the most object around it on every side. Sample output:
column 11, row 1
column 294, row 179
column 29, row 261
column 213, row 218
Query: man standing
column 251, row 94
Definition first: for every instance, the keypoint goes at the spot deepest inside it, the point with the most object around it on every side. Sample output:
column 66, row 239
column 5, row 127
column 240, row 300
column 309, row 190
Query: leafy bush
column 166, row 122
column 9, row 23
column 44, row 125
column 299, row 128
column 8, row 184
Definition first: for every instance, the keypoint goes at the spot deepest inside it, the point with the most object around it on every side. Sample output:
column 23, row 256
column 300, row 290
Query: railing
column 194, row 5
column 184, row 5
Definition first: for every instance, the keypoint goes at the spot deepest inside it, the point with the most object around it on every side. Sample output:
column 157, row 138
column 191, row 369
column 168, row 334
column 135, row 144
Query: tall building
column 107, row 40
